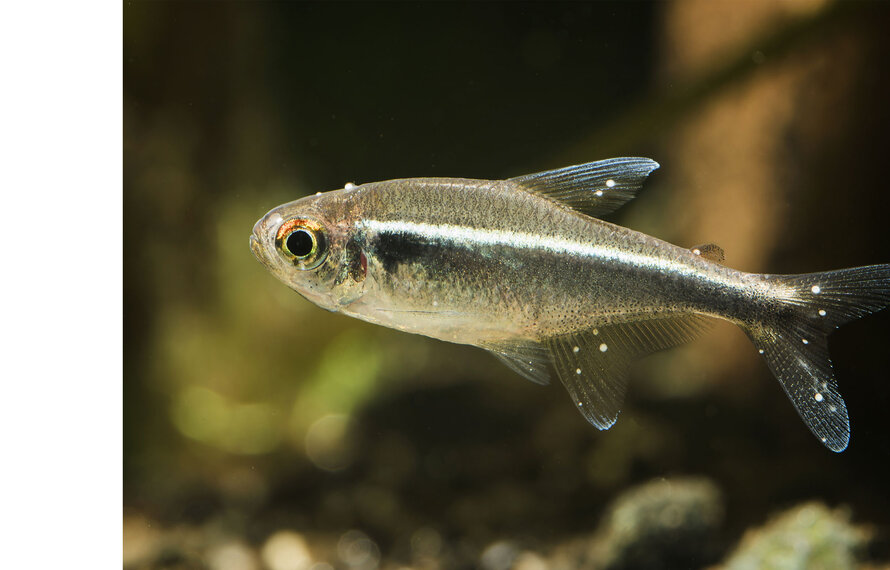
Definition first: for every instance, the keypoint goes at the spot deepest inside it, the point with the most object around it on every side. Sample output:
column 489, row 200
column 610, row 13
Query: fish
column 526, row 269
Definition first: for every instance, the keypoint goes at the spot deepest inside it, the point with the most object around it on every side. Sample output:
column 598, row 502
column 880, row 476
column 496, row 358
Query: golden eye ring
column 303, row 242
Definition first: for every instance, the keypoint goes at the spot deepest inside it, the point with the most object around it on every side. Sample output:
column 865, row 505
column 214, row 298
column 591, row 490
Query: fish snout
column 260, row 237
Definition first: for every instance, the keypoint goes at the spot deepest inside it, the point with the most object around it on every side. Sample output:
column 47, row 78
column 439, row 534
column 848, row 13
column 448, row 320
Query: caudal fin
column 794, row 340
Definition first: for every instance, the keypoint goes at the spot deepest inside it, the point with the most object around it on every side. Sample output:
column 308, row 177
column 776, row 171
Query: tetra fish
column 525, row 269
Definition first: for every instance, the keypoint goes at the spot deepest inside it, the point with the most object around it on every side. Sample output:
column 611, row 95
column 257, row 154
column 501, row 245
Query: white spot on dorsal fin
column 350, row 187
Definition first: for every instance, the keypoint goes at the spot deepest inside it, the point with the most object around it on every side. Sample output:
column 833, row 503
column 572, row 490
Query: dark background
column 247, row 410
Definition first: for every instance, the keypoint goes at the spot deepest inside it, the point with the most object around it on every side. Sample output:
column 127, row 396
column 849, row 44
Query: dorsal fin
column 710, row 251
column 593, row 188
column 592, row 364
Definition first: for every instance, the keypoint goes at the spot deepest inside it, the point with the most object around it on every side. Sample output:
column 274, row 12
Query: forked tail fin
column 794, row 339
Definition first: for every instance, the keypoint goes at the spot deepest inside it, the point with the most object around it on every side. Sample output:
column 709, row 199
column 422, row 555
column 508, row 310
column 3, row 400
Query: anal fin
column 593, row 364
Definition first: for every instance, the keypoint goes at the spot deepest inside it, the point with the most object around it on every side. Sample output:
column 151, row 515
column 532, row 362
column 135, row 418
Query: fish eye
column 302, row 242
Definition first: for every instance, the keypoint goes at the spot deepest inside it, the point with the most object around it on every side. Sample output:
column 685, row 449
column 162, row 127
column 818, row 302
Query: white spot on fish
column 805, row 341
column 604, row 347
column 822, row 312
column 350, row 187
column 435, row 303
column 833, row 408
column 818, row 397
column 576, row 349
column 816, row 289
column 318, row 193
column 599, row 192
column 610, row 183
column 696, row 251
column 580, row 404
column 577, row 371
column 596, row 332
column 760, row 351
column 825, row 385
column 824, row 440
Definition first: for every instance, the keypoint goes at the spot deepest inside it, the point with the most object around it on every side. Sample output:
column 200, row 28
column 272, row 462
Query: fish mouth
column 256, row 246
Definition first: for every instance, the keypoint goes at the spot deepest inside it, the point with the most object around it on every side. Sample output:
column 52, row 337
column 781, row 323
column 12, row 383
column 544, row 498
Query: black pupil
column 299, row 243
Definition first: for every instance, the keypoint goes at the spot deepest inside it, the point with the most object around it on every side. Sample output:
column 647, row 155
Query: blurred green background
column 263, row 432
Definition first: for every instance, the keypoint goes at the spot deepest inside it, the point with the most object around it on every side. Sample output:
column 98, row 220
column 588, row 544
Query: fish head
column 304, row 244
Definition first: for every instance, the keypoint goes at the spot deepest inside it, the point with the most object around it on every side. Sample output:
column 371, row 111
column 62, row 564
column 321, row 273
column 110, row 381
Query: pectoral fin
column 594, row 188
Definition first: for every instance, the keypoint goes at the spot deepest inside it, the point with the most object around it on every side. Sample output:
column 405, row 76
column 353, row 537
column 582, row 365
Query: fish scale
column 525, row 269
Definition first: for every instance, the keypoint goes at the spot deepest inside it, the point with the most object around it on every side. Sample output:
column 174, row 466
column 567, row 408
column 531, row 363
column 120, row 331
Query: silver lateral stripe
column 470, row 236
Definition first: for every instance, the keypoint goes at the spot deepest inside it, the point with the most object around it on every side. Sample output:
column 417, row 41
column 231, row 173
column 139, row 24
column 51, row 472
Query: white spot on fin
column 350, row 187
column 818, row 397
column 805, row 341
column 599, row 192
column 604, row 347
column 576, row 349
column 822, row 312
column 816, row 289
column 610, row 183
column 577, row 371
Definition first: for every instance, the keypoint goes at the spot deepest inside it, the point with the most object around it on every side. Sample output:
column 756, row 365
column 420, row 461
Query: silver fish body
column 523, row 268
